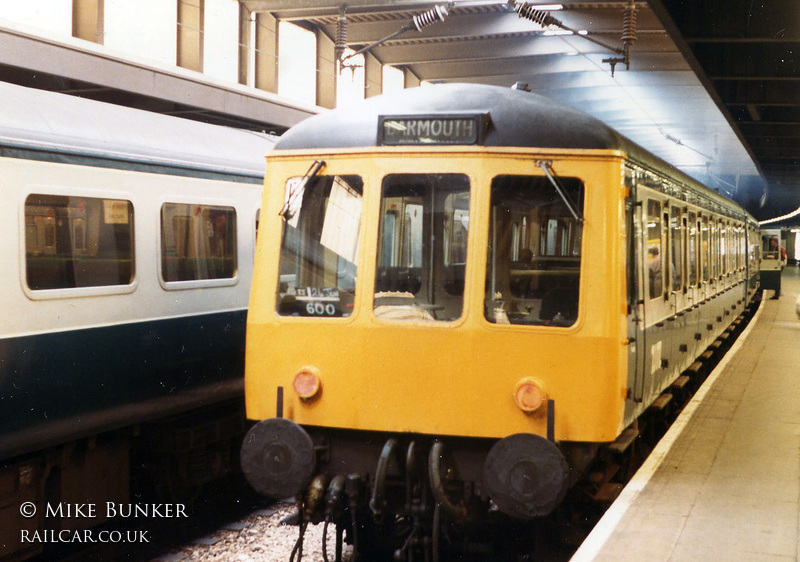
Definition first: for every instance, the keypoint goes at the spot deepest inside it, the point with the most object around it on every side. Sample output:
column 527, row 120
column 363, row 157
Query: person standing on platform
column 776, row 247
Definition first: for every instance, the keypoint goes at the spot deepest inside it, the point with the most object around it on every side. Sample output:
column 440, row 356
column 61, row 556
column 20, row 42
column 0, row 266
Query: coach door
column 635, row 274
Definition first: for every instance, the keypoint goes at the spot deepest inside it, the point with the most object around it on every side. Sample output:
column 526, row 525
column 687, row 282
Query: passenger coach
column 128, row 240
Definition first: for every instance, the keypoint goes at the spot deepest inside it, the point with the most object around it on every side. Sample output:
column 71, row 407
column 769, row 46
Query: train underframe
column 416, row 497
column 411, row 496
column 67, row 486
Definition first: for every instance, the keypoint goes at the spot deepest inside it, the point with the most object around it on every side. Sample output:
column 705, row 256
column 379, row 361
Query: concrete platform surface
column 724, row 483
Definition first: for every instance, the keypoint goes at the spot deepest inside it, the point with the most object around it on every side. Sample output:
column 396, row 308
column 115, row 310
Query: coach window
column 422, row 247
column 533, row 269
column 754, row 254
column 654, row 250
column 198, row 242
column 319, row 245
column 739, row 249
column 714, row 247
column 705, row 247
column 75, row 242
column 726, row 249
column 692, row 246
column 723, row 248
column 676, row 236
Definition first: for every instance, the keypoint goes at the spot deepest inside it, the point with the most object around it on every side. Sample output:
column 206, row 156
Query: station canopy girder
column 700, row 91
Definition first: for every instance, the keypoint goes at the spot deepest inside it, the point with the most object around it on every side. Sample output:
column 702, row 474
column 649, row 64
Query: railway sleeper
column 695, row 368
column 681, row 389
column 624, row 441
column 662, row 403
column 661, row 414
column 608, row 492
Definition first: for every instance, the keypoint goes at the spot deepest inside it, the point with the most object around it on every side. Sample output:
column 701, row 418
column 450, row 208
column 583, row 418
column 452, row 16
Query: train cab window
column 654, row 249
column 319, row 246
column 75, row 242
column 770, row 247
column 198, row 242
column 535, row 248
column 676, row 239
column 422, row 247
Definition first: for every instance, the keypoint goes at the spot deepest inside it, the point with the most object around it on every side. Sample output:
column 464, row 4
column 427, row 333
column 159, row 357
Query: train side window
column 654, row 250
column 423, row 247
column 705, row 248
column 714, row 249
column 749, row 250
column 534, row 252
column 666, row 258
column 723, row 249
column 319, row 246
column 692, row 246
column 676, row 235
column 739, row 248
column 73, row 242
column 755, row 250
column 198, row 242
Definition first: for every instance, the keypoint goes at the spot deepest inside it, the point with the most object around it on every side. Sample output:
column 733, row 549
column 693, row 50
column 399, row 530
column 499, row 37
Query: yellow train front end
column 459, row 295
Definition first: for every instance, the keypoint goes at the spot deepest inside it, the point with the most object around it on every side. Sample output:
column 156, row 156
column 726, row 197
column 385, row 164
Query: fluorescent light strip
column 784, row 217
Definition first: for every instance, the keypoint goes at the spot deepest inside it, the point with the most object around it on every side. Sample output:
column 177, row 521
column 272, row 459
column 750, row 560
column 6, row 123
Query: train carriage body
column 471, row 269
column 128, row 247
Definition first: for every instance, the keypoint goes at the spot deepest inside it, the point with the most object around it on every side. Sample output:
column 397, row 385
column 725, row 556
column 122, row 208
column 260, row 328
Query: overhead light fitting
column 628, row 31
column 538, row 13
column 418, row 22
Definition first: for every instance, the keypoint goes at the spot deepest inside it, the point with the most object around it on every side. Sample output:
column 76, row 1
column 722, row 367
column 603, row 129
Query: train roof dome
column 516, row 118
column 58, row 126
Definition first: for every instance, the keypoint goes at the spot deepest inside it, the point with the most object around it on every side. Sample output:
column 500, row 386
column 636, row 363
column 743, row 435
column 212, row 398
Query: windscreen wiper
column 300, row 188
column 547, row 168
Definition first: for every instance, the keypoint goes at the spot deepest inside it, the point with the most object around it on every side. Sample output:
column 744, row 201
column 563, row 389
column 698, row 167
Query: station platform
column 724, row 482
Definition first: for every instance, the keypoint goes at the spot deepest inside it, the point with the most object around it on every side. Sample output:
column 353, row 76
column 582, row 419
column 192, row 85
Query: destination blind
column 431, row 129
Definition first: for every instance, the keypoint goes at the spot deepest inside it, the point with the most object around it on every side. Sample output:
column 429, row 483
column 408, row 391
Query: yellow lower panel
column 440, row 381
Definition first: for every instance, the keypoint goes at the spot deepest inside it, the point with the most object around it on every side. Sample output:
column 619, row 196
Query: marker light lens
column 529, row 395
column 307, row 383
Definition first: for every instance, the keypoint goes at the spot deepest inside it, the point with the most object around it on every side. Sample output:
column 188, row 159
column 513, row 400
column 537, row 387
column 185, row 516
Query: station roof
column 712, row 87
